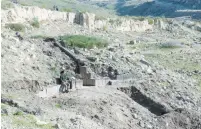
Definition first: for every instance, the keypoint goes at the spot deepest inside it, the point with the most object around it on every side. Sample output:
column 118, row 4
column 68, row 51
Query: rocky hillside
column 110, row 8
column 158, row 62
column 167, row 8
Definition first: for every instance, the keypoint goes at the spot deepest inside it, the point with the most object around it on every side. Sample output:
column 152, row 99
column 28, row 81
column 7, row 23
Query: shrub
column 111, row 21
column 18, row 113
column 170, row 45
column 141, row 18
column 104, row 27
column 29, row 121
column 44, row 6
column 35, row 23
column 24, row 4
column 82, row 11
column 16, row 26
column 151, row 21
column 82, row 41
column 58, row 106
column 138, row 18
column 67, row 10
column 6, row 4
column 100, row 17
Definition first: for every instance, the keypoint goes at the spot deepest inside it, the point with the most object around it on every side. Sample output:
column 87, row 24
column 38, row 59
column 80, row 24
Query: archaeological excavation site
column 101, row 64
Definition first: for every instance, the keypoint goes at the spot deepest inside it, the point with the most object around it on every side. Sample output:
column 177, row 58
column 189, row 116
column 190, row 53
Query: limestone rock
column 93, row 59
column 142, row 124
column 123, row 24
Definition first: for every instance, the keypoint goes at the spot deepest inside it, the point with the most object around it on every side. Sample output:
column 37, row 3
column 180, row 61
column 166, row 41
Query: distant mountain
column 167, row 8
column 195, row 4
column 106, row 8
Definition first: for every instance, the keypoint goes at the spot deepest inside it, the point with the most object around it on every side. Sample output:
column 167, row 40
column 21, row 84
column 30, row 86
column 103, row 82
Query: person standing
column 64, row 83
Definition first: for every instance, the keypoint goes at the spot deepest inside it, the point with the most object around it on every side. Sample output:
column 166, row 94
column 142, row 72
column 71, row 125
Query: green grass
column 67, row 10
column 11, row 96
column 82, row 41
column 140, row 18
column 199, row 83
column 16, row 27
column 35, row 23
column 55, row 69
column 58, row 105
column 175, row 62
column 6, row 4
column 151, row 21
column 29, row 121
column 3, row 106
column 97, row 17
column 18, row 113
column 105, row 28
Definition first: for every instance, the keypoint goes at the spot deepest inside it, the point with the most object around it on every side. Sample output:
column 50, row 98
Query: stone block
column 89, row 82
column 87, row 76
column 83, row 71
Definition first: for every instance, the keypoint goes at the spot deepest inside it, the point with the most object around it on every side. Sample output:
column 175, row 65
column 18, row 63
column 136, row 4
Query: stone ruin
column 21, row 14
column 86, row 76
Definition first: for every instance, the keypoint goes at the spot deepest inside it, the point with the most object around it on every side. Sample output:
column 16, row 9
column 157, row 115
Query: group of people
column 110, row 72
column 55, row 8
column 66, row 82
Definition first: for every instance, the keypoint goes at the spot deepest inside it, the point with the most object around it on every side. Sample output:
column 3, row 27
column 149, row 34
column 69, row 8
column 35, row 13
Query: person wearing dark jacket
column 64, row 82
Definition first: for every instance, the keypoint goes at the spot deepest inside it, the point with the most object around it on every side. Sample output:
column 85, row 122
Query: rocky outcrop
column 161, row 24
column 85, row 19
column 70, row 17
column 23, row 14
column 123, row 24
column 20, row 14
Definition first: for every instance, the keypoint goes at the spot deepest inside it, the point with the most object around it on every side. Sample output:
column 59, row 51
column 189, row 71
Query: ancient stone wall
column 20, row 14
column 123, row 24
column 23, row 14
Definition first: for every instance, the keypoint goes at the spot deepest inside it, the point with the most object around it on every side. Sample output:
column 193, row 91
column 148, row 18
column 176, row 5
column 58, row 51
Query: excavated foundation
column 153, row 106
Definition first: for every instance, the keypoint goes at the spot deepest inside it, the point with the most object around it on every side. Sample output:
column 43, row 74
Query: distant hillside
column 63, row 5
column 108, row 8
column 195, row 4
column 167, row 8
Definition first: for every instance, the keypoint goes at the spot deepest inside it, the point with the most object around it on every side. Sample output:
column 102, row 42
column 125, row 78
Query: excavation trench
column 153, row 106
